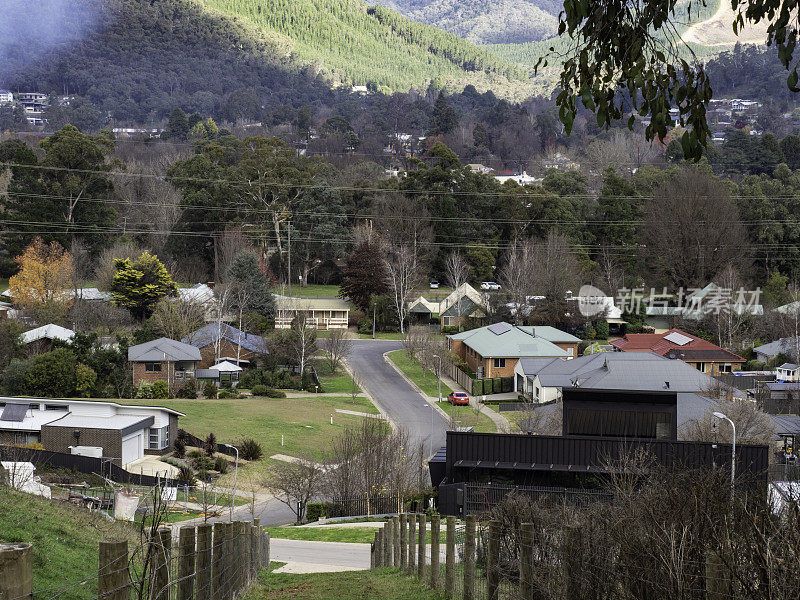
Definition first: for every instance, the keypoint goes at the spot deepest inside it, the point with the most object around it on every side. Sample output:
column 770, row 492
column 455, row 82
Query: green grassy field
column 353, row 535
column 3, row 285
column 378, row 584
column 338, row 382
column 310, row 291
column 466, row 416
column 427, row 381
column 304, row 423
column 65, row 540
column 381, row 335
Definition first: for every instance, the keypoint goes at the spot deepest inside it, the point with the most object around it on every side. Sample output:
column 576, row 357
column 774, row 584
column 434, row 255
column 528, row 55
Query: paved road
column 395, row 396
column 311, row 557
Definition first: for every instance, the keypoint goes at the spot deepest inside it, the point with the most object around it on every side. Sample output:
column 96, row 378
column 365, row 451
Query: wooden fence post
column 240, row 555
column 217, row 560
column 163, row 543
column 469, row 559
column 203, row 563
column 266, row 550
column 16, row 571
column 372, row 564
column 526, row 561
column 450, row 558
column 493, row 561
column 403, row 543
column 244, row 556
column 227, row 562
column 186, row 561
column 386, row 537
column 396, row 542
column 113, row 581
column 255, row 552
column 422, row 546
column 435, row 525
column 412, row 543
column 379, row 548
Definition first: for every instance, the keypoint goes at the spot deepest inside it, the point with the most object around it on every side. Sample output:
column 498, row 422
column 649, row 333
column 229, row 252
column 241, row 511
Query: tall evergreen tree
column 444, row 118
column 364, row 275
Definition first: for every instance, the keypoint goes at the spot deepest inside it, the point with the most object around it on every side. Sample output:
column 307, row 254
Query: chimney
column 666, row 385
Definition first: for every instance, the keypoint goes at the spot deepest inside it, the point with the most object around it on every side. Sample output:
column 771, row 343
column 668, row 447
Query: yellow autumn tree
column 44, row 283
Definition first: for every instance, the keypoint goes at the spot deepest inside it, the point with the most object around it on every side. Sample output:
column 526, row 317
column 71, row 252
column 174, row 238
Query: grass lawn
column 378, row 584
column 379, row 335
column 65, row 540
column 303, row 422
column 466, row 416
column 427, row 382
column 353, row 535
column 310, row 291
column 338, row 382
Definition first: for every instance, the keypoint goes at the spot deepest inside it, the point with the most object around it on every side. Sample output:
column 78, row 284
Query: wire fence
column 473, row 560
column 206, row 562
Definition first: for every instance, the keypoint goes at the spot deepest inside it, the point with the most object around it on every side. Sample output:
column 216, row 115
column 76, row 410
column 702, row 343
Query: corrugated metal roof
column 513, row 342
column 49, row 332
column 158, row 350
column 211, row 333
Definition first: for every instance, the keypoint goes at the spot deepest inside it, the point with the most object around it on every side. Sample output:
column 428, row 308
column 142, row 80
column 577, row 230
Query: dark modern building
column 600, row 429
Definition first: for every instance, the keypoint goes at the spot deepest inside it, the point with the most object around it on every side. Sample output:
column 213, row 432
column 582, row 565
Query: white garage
column 132, row 447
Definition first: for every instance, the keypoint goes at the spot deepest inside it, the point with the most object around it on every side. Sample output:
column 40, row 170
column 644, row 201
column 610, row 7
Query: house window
column 499, row 363
column 152, row 367
column 159, row 438
column 725, row 368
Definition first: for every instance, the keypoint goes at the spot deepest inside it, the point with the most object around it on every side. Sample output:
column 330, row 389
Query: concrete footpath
column 318, row 557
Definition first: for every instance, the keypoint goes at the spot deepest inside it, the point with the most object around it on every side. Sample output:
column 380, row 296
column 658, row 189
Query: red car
column 458, row 398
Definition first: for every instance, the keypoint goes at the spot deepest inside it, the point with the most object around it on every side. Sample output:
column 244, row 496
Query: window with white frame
column 152, row 367
column 499, row 363
column 159, row 438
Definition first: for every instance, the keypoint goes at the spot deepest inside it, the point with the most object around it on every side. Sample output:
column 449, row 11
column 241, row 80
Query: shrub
column 315, row 510
column 221, row 465
column 210, row 390
column 507, row 384
column 160, row 389
column 85, row 380
column 602, row 330
column 222, row 394
column 145, row 390
column 487, row 386
column 497, row 386
column 195, row 454
column 250, row 449
column 180, row 448
column 15, row 376
column 365, row 327
column 447, row 329
column 52, row 374
column 211, row 444
column 186, row 476
column 273, row 393
column 203, row 463
column 188, row 390
column 259, row 389
column 477, row 387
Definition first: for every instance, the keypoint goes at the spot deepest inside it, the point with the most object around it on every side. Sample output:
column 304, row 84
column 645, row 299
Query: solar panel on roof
column 678, row 338
column 499, row 328
column 14, row 412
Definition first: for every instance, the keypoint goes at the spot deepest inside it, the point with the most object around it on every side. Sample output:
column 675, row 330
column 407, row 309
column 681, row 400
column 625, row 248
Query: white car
column 490, row 286
column 434, row 284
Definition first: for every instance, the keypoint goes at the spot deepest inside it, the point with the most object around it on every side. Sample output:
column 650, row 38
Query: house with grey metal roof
column 494, row 350
column 639, row 371
column 788, row 372
column 788, row 346
column 163, row 359
column 220, row 341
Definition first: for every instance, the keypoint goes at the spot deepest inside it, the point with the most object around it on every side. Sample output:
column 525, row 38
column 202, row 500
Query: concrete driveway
column 318, row 557
column 395, row 397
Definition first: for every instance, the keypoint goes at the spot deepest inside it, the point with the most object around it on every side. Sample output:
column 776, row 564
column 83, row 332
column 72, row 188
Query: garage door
column 132, row 448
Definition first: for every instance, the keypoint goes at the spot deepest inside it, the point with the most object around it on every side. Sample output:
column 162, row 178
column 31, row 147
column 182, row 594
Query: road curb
column 377, row 404
column 415, row 386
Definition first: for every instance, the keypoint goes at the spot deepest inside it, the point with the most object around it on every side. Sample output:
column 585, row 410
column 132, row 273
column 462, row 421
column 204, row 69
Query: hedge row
column 492, row 385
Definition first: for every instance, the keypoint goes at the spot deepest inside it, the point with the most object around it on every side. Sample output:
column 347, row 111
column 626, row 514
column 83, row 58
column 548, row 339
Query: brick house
column 676, row 344
column 163, row 360
column 123, row 434
column 493, row 351
column 222, row 342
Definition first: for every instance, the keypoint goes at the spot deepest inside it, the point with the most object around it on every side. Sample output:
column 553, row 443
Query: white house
column 48, row 332
column 788, row 372
column 321, row 313
column 6, row 97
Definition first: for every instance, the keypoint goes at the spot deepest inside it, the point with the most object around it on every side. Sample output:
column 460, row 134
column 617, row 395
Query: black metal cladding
column 475, row 452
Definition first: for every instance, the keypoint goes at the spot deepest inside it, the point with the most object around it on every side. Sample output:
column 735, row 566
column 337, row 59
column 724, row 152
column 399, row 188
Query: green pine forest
column 353, row 43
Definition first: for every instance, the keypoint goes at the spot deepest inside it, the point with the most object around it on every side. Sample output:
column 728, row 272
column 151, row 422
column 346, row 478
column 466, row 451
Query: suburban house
column 788, row 372
column 472, row 308
column 495, row 350
column 163, row 359
column 662, row 317
column 41, row 339
column 202, row 295
column 787, row 346
column 321, row 313
column 544, row 379
column 123, row 434
column 676, row 344
column 222, row 342
column 598, row 429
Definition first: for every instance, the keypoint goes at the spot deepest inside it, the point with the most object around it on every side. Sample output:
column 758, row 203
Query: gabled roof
column 199, row 293
column 226, row 367
column 641, row 371
column 505, row 340
column 213, row 332
column 49, row 332
column 675, row 344
column 783, row 345
column 789, row 367
column 465, row 290
column 551, row 334
column 468, row 308
column 163, row 349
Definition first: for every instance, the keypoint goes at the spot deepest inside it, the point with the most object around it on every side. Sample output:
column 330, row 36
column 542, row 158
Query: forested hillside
column 142, row 58
column 485, row 21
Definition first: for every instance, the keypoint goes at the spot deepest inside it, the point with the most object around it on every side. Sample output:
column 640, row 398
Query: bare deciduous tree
column 339, row 346
column 554, row 271
column 299, row 342
column 295, row 483
column 177, row 319
column 516, row 277
column 402, row 278
column 456, row 271
column 752, row 425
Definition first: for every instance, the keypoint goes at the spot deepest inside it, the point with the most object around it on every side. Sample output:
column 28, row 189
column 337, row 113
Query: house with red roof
column 701, row 354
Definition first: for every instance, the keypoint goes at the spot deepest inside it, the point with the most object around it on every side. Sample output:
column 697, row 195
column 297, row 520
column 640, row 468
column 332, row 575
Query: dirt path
column 718, row 31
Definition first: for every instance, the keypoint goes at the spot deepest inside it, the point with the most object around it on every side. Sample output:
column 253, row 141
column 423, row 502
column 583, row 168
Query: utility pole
column 373, row 319
column 289, row 245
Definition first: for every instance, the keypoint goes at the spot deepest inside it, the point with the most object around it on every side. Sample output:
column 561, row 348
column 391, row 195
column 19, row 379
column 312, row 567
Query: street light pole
column 440, row 378
column 720, row 415
column 235, row 476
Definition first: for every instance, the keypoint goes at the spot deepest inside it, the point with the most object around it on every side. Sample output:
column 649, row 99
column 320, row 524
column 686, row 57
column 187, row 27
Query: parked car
column 490, row 286
column 458, row 398
column 434, row 284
